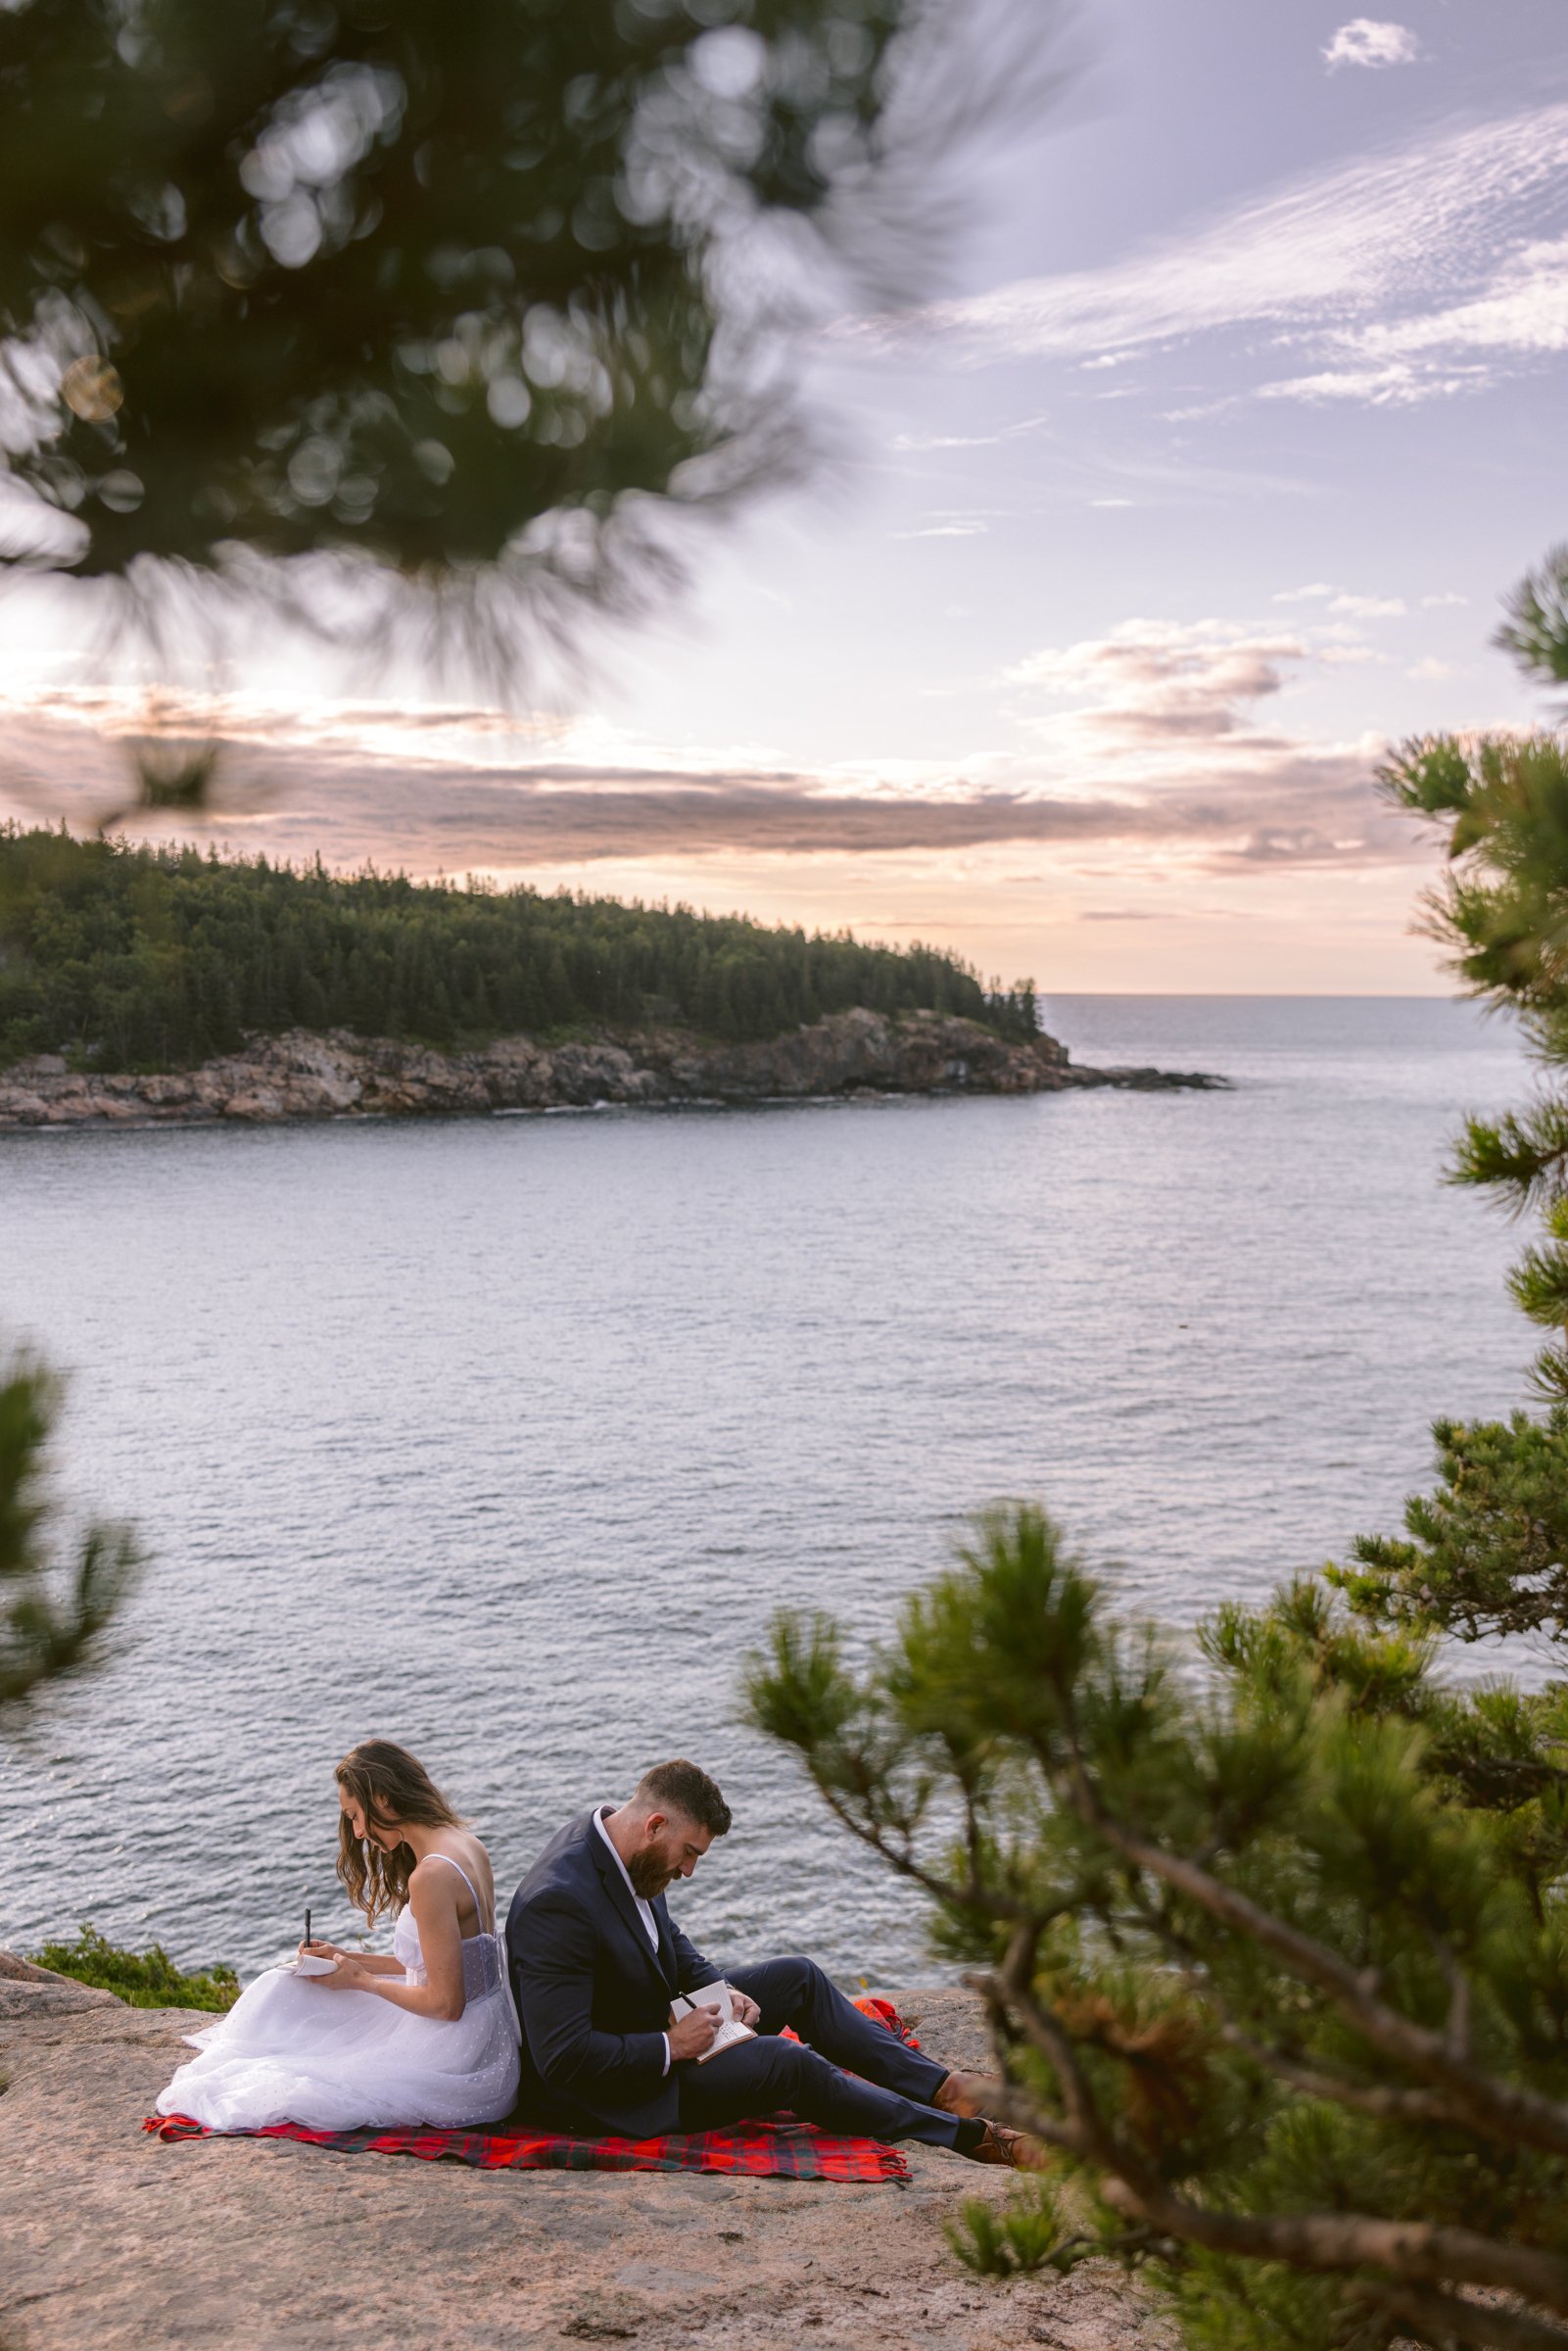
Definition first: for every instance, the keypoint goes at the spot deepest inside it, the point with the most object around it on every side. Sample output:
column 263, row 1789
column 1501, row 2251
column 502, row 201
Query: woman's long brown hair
column 390, row 1785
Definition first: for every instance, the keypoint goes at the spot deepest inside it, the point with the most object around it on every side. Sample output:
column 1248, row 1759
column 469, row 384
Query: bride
column 426, row 2037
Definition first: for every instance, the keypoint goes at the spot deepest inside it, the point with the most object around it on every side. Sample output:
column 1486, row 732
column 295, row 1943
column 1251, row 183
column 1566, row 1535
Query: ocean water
column 505, row 1437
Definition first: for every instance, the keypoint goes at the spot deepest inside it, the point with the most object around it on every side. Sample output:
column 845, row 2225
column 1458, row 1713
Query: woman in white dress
column 427, row 2036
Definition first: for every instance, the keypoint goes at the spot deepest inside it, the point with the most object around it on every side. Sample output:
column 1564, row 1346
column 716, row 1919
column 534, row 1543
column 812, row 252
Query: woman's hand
column 347, row 1975
column 321, row 1951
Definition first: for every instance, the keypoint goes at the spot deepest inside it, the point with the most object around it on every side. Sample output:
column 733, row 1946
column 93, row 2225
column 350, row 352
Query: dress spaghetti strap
column 498, row 1958
column 479, row 1907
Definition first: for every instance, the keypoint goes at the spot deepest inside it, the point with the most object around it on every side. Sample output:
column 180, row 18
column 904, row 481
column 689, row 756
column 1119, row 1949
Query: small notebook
column 721, row 1997
column 307, row 1964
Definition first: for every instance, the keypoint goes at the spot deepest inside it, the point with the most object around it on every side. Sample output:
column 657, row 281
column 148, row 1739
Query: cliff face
column 301, row 1076
column 114, row 2242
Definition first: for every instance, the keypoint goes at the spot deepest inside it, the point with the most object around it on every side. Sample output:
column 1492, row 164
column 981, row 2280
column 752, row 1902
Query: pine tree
column 1275, row 1955
column 1501, row 911
column 52, row 1609
column 1274, row 1946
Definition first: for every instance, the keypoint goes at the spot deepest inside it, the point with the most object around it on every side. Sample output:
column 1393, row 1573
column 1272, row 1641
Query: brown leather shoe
column 1014, row 2148
column 964, row 2093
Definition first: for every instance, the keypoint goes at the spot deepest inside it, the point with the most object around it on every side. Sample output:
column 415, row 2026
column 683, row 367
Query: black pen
column 307, row 1929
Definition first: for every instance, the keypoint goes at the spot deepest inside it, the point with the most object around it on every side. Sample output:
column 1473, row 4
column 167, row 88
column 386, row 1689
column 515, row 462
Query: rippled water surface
column 505, row 1437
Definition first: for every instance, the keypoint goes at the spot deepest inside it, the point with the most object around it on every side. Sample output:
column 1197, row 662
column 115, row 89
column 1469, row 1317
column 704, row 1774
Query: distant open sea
column 505, row 1437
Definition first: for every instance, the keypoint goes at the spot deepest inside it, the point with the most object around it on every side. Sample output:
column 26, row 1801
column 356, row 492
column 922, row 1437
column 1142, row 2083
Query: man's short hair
column 681, row 1787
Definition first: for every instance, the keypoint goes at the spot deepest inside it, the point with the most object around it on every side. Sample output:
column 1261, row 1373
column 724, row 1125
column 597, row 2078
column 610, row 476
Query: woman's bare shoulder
column 459, row 1846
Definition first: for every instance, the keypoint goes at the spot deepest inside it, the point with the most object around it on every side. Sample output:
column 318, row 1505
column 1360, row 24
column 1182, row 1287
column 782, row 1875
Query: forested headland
column 133, row 957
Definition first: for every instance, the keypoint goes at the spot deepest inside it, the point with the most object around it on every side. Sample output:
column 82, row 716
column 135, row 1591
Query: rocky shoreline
column 341, row 1076
column 113, row 2242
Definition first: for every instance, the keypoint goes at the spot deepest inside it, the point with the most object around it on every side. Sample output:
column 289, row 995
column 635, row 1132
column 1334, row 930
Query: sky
column 1192, row 491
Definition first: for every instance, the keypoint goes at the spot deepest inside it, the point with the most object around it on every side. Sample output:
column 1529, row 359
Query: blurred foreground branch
column 52, row 1608
column 416, row 323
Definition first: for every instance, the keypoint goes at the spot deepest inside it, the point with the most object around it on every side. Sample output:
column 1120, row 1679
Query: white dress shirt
column 645, row 1910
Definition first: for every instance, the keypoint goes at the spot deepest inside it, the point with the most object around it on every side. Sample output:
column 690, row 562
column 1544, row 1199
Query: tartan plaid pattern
column 776, row 2149
column 779, row 2148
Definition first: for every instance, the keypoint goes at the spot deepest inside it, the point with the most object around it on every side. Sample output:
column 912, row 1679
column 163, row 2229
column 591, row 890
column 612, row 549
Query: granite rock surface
column 116, row 2241
column 337, row 1075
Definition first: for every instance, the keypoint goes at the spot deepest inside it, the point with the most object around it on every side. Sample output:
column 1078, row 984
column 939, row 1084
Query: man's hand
column 747, row 2011
column 693, row 2034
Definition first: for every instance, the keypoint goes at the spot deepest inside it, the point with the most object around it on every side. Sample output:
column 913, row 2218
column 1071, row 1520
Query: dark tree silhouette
column 459, row 297
column 155, row 958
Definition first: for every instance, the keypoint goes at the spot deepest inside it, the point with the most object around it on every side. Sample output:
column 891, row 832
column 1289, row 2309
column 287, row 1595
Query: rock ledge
column 336, row 1076
column 114, row 2241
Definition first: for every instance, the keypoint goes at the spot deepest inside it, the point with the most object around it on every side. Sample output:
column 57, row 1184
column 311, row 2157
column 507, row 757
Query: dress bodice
column 484, row 1960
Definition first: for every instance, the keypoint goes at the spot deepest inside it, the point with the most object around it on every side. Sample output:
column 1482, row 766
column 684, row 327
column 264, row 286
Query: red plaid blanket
column 779, row 2148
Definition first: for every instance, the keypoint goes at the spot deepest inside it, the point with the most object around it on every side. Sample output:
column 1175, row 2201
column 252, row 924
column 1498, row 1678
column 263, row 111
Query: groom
column 597, row 1960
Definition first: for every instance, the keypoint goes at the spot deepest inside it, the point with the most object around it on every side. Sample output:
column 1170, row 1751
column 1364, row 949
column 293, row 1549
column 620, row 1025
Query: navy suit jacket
column 592, row 1993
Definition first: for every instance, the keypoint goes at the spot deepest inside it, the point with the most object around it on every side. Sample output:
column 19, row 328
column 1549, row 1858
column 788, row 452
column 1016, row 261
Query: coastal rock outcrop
column 33, row 1992
column 303, row 1076
column 114, row 2241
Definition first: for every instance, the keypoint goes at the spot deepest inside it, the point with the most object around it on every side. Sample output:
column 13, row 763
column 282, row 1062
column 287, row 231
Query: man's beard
column 650, row 1873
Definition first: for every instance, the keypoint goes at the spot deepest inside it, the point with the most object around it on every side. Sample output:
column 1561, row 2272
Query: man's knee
column 802, row 1975
column 775, row 2066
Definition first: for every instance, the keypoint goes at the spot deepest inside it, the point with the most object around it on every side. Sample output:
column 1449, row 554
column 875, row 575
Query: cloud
column 1018, row 431
column 1407, row 275
column 921, row 440
column 1524, row 309
column 1371, row 607
column 1341, row 599
column 1364, row 41
column 1157, row 679
column 1172, row 713
column 1148, row 742
column 1396, row 385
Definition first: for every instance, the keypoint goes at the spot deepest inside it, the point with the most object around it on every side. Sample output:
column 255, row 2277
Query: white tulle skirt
column 290, row 2050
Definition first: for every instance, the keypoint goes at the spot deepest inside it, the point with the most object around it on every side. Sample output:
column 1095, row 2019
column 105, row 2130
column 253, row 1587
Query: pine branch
column 1503, row 2109
column 1451, row 2317
column 1410, row 2251
column 1382, row 2102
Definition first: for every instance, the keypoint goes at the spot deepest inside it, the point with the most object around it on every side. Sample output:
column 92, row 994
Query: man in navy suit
column 597, row 1960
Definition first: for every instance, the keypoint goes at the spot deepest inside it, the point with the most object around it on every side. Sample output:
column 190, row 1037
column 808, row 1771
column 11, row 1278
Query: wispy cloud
column 1369, row 607
column 967, row 527
column 1407, row 275
column 1345, row 600
column 1525, row 308
column 1366, row 41
column 906, row 443
column 1156, row 678
column 1161, row 745
column 1148, row 739
column 1172, row 714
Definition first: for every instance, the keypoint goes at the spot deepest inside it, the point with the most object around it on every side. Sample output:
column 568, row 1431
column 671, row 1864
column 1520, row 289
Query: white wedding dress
column 292, row 2050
